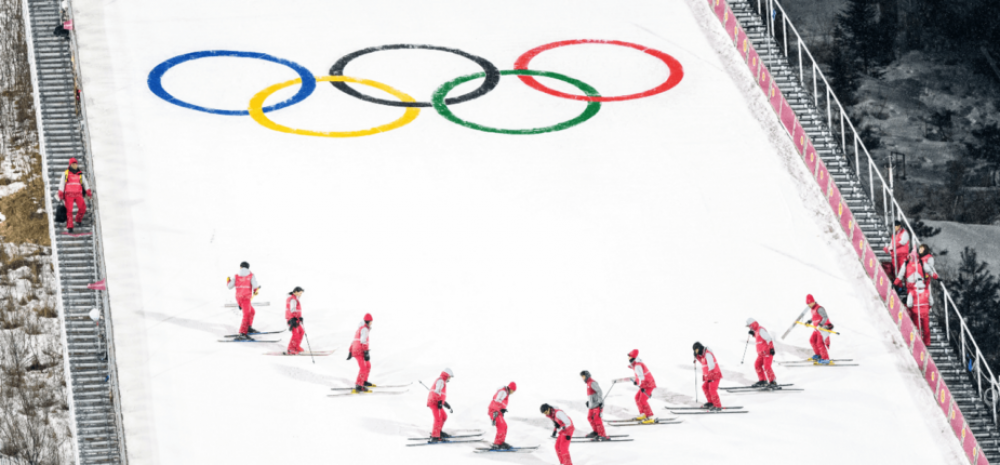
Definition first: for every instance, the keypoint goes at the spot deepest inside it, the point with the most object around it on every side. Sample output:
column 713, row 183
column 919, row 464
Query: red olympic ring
column 676, row 70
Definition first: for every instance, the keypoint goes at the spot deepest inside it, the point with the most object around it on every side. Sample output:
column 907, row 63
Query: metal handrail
column 890, row 206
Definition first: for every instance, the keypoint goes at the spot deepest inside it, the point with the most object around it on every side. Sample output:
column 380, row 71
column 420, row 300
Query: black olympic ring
column 491, row 81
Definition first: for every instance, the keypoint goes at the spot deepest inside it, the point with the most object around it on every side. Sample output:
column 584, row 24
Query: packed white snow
column 657, row 223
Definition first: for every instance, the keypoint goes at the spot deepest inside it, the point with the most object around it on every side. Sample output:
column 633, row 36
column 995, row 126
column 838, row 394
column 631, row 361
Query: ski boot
column 815, row 358
column 242, row 337
column 759, row 384
column 603, row 438
column 502, row 446
column 640, row 417
column 822, row 361
column 648, row 421
column 367, row 384
column 252, row 331
column 707, row 405
column 714, row 409
column 773, row 385
column 592, row 435
column 359, row 390
column 445, row 435
column 436, row 439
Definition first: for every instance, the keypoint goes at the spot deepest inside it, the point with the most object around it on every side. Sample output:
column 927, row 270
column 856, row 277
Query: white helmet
column 448, row 371
column 750, row 321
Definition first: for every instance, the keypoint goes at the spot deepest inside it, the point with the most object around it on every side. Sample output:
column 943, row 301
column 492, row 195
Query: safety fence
column 778, row 27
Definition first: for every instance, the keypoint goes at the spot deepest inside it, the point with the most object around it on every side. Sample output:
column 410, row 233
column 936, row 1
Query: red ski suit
column 245, row 285
column 765, row 344
column 438, row 393
column 71, row 190
column 820, row 343
column 564, row 431
column 710, row 375
column 358, row 348
column 499, row 403
column 594, row 414
column 902, row 240
column 919, row 301
column 293, row 309
column 643, row 379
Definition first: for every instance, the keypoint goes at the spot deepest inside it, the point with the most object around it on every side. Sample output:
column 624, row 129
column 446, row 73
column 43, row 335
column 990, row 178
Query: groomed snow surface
column 657, row 223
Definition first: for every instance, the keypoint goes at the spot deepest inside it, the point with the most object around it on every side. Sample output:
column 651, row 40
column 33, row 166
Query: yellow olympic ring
column 257, row 112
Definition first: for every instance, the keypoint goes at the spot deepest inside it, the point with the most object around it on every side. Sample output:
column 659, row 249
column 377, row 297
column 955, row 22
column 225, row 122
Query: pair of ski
column 836, row 362
column 468, row 438
column 611, row 438
column 232, row 338
column 393, row 389
column 705, row 411
column 634, row 422
column 765, row 388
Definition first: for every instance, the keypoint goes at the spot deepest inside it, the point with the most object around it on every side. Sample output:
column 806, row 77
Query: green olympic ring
column 442, row 108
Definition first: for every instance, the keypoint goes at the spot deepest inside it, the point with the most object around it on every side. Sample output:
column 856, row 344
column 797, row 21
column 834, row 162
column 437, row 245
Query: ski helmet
column 698, row 348
column 512, row 386
column 751, row 321
column 634, row 353
column 585, row 374
column 546, row 408
column 447, row 371
column 244, row 265
column 368, row 317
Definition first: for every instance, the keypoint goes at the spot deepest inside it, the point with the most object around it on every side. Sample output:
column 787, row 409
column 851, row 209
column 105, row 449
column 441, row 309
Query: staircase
column 90, row 349
column 871, row 221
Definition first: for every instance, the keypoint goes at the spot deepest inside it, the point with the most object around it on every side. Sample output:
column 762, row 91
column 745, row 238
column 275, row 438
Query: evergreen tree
column 843, row 72
column 857, row 31
column 977, row 296
column 987, row 149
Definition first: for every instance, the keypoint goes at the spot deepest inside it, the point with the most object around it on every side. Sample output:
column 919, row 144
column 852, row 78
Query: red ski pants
column 711, row 390
column 562, row 446
column 763, row 367
column 501, row 427
column 642, row 401
column 923, row 322
column 295, row 345
column 594, row 417
column 81, row 208
column 248, row 313
column 819, row 345
column 439, row 418
column 364, row 366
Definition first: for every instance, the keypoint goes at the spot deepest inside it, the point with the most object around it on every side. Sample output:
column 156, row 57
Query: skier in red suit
column 765, row 354
column 498, row 407
column 919, row 301
column 710, row 376
column 901, row 240
column 819, row 342
column 72, row 186
column 359, row 352
column 437, row 401
column 293, row 315
column 644, row 379
column 595, row 404
column 563, row 432
column 246, row 287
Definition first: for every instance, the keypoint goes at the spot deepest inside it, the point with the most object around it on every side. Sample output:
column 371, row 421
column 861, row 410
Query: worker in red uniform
column 919, row 266
column 437, row 401
column 919, row 301
column 72, row 186
column 899, row 248
column 498, row 407
column 710, row 376
column 927, row 258
column 595, row 404
column 293, row 315
column 359, row 352
column 765, row 354
column 246, row 287
column 563, row 432
column 820, row 342
column 644, row 379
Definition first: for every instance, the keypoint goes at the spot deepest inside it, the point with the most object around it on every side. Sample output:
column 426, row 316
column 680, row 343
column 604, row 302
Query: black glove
column 367, row 358
column 751, row 333
column 447, row 406
column 588, row 404
column 293, row 323
column 301, row 320
column 439, row 405
column 772, row 351
column 569, row 438
column 555, row 431
column 503, row 411
column 635, row 382
column 600, row 406
column 829, row 326
column 350, row 355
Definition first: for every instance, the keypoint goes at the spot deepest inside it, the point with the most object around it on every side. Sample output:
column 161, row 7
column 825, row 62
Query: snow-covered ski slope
column 657, row 222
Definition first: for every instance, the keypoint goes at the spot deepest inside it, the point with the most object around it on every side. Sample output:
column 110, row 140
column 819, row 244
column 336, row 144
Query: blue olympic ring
column 155, row 80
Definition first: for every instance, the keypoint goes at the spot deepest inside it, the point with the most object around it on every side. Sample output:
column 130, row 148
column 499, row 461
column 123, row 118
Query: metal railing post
column 947, row 325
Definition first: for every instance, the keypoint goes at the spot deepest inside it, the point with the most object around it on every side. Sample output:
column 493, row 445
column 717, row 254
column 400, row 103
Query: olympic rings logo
column 440, row 100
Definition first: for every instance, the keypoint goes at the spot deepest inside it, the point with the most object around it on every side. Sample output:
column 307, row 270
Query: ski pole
column 304, row 333
column 818, row 328
column 606, row 394
column 745, row 350
column 694, row 367
column 427, row 388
